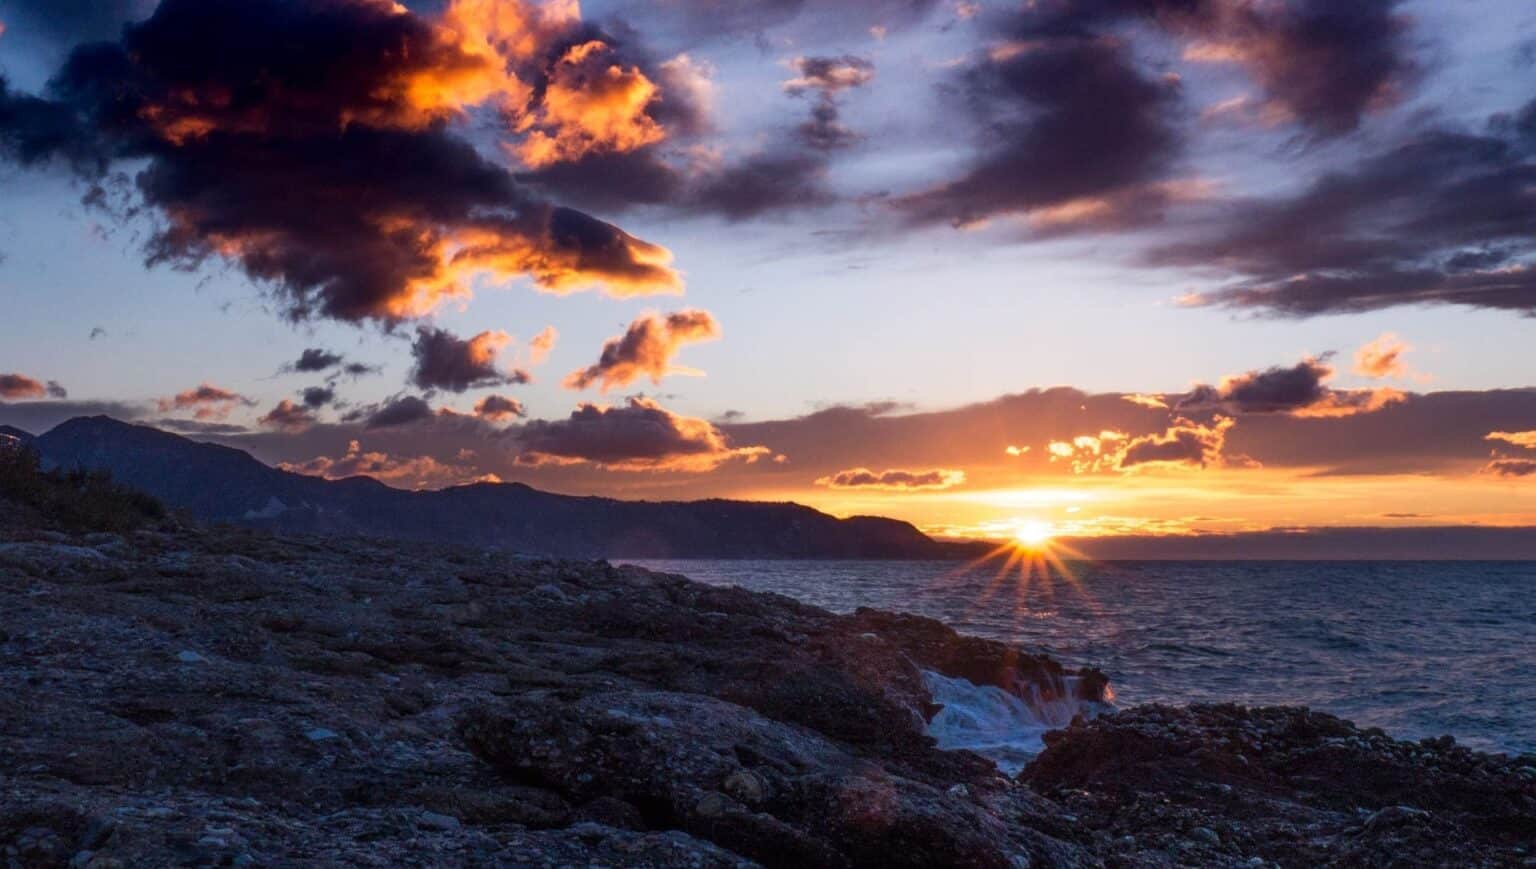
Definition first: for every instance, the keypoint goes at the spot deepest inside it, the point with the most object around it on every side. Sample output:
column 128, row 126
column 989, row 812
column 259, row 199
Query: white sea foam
column 998, row 725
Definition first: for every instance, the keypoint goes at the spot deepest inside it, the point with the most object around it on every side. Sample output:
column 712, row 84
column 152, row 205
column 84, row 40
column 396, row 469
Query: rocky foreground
column 216, row 697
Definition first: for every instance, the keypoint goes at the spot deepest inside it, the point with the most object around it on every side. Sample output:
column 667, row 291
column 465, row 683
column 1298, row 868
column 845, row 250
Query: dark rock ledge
column 212, row 697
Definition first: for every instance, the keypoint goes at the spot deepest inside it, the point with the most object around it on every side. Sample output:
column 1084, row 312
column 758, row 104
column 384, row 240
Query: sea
column 1416, row 648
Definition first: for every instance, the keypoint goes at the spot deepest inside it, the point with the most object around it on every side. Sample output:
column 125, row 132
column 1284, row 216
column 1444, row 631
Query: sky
column 1099, row 266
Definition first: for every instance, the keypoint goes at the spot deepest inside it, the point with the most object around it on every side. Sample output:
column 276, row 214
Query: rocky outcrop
column 220, row 695
column 1222, row 784
column 223, row 697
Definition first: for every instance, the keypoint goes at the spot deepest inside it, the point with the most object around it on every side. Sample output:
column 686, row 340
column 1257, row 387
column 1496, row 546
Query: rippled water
column 1418, row 649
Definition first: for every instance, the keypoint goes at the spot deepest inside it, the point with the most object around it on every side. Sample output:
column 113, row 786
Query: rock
column 501, row 710
column 747, row 787
column 435, row 821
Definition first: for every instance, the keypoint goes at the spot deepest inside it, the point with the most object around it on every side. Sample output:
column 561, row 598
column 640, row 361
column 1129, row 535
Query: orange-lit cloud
column 13, row 386
column 208, row 402
column 591, row 105
column 333, row 171
column 1525, row 439
column 288, row 416
column 1382, row 358
column 1184, row 443
column 639, row 435
column 540, row 345
column 412, row 472
column 893, row 479
column 1298, row 390
column 1153, row 402
column 646, row 349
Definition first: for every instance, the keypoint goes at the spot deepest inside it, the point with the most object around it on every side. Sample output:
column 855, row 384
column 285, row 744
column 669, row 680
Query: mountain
column 221, row 484
column 10, row 431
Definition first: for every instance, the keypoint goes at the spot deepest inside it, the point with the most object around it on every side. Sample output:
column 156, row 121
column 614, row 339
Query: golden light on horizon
column 1033, row 533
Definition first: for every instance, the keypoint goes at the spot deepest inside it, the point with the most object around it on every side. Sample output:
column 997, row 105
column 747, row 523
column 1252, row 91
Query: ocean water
column 1415, row 648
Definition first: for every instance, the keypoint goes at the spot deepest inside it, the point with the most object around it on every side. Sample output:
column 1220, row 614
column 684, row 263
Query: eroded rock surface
column 214, row 696
column 217, row 697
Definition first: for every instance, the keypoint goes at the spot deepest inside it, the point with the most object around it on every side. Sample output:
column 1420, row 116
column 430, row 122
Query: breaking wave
column 998, row 725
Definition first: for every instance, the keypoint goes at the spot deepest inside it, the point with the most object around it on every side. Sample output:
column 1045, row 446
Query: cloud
column 208, row 402
column 14, row 386
column 1526, row 439
column 827, row 77
column 1156, row 402
column 1440, row 219
column 499, row 408
column 1184, row 443
column 288, row 416
column 1039, row 95
column 1383, row 357
column 330, row 171
column 412, row 472
column 646, row 349
column 318, row 396
column 893, row 479
column 1505, row 467
column 1298, row 390
column 1320, row 63
column 446, row 361
column 639, row 435
column 405, row 410
column 314, row 359
column 1039, row 99
column 540, row 345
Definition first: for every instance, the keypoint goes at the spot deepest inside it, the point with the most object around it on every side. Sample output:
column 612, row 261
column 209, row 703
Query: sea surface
column 1415, row 648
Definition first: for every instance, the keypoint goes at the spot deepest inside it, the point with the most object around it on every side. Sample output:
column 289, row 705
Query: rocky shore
column 191, row 696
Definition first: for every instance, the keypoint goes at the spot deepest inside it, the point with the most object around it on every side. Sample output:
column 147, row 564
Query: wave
column 1003, row 727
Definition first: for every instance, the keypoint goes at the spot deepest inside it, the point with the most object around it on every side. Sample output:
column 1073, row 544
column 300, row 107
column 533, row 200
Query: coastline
column 227, row 696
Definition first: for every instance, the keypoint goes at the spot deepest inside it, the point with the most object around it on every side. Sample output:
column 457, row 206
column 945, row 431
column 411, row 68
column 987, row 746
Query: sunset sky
column 1169, row 266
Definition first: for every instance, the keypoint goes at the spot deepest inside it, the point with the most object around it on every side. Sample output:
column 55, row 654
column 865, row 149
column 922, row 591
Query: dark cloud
column 327, row 170
column 1063, row 117
column 1298, row 390
column 1511, row 467
column 1075, row 134
column 640, row 435
column 646, row 349
column 318, row 396
column 894, row 479
column 499, row 408
column 314, row 359
column 288, row 416
column 826, row 78
column 1444, row 218
column 405, row 410
column 446, row 361
column 97, row 332
column 1321, row 63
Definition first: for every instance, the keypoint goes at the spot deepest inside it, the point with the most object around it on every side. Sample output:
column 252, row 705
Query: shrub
column 77, row 500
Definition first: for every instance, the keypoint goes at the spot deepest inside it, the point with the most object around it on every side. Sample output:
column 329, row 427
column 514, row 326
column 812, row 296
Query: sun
column 1033, row 534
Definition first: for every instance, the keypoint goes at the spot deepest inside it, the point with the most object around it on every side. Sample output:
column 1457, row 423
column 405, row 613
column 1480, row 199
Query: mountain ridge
column 218, row 483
